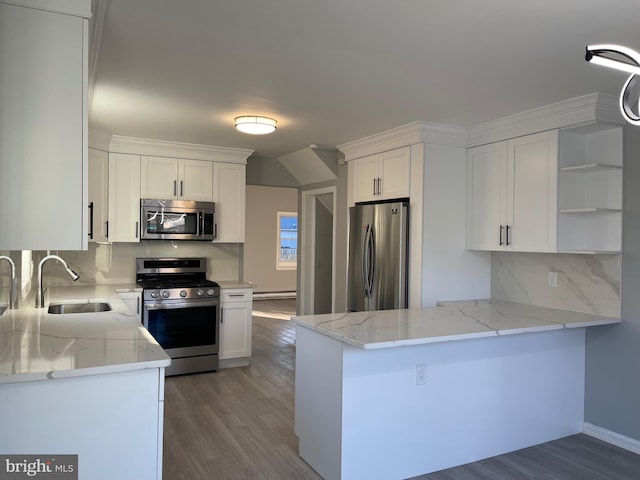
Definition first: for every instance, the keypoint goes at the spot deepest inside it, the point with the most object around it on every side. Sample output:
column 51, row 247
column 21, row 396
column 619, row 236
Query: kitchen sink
column 91, row 307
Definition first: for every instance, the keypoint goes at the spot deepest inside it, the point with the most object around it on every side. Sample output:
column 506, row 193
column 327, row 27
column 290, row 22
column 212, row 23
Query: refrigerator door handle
column 365, row 263
column 370, row 261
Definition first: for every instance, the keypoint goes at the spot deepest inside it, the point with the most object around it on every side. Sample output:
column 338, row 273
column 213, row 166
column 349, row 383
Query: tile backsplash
column 586, row 283
column 116, row 263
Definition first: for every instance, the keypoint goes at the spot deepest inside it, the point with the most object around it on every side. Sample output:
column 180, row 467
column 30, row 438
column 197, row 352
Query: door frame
column 308, row 249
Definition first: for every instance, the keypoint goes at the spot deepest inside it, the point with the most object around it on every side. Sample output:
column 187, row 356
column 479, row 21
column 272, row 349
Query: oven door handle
column 174, row 305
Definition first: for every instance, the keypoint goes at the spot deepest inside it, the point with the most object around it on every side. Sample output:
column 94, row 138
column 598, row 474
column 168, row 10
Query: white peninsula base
column 371, row 414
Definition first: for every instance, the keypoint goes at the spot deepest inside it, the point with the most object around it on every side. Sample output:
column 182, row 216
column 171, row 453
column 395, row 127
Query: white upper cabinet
column 43, row 126
column 229, row 189
column 98, row 195
column 382, row 176
column 555, row 191
column 124, row 197
column 176, row 179
column 512, row 194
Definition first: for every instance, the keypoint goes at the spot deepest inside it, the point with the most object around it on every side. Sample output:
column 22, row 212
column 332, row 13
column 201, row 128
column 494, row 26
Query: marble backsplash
column 116, row 263
column 586, row 283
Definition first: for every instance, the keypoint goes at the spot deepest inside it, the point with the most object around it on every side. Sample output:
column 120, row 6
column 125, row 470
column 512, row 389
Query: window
column 287, row 254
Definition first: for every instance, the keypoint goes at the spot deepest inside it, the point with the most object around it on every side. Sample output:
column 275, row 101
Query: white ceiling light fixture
column 626, row 60
column 255, row 125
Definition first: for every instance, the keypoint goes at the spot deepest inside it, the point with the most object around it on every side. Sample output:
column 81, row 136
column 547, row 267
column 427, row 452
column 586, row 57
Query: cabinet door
column 486, row 197
column 158, row 177
column 366, row 173
column 124, row 197
column 98, row 193
column 235, row 330
column 194, row 180
column 229, row 194
column 133, row 301
column 43, row 129
column 395, row 177
column 532, row 195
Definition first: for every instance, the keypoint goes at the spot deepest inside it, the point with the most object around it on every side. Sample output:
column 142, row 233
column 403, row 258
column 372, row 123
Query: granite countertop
column 36, row 345
column 450, row 321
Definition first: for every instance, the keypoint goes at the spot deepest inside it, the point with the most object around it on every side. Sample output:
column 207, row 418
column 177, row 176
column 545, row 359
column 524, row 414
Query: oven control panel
column 181, row 293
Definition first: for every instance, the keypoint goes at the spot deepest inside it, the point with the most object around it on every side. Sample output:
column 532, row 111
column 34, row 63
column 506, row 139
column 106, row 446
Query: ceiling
column 334, row 71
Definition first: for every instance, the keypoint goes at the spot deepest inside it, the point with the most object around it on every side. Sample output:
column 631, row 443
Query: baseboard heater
column 274, row 295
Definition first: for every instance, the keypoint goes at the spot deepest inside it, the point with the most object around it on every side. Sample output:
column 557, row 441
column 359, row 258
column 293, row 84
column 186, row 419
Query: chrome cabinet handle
column 500, row 241
column 137, row 226
column 508, row 240
column 175, row 190
column 181, row 188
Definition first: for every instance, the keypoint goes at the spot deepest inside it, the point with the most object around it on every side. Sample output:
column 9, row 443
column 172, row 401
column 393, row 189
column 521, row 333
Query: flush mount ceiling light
column 255, row 125
column 626, row 60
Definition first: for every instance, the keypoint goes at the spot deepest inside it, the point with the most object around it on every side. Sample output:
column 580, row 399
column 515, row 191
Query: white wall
column 449, row 271
column 261, row 242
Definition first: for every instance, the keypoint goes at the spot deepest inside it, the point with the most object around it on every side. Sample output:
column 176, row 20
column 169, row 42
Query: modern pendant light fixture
column 255, row 125
column 626, row 60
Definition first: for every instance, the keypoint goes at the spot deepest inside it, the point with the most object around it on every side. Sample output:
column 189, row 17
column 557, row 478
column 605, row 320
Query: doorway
column 317, row 268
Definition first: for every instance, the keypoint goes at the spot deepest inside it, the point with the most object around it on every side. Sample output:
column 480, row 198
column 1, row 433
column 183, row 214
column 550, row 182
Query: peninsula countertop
column 36, row 345
column 451, row 321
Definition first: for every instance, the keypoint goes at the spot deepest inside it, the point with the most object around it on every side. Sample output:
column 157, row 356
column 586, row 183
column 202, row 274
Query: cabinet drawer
column 228, row 296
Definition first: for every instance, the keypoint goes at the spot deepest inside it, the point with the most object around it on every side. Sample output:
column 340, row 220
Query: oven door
column 184, row 329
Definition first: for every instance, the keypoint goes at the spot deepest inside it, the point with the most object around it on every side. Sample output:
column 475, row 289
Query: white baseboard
column 274, row 295
column 611, row 437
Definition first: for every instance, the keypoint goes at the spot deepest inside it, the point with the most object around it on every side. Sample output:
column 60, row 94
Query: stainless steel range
column 181, row 310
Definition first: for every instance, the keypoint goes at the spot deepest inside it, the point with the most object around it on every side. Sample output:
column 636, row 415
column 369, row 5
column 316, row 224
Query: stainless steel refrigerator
column 378, row 256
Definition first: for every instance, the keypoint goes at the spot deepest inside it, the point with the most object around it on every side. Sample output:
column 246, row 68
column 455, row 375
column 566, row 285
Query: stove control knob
column 165, row 294
column 155, row 294
column 210, row 292
column 183, row 293
column 200, row 292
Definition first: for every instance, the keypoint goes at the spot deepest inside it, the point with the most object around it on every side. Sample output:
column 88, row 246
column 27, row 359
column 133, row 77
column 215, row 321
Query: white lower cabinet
column 119, row 415
column 235, row 326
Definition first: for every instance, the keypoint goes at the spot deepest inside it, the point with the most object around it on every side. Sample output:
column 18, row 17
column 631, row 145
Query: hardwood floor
column 237, row 424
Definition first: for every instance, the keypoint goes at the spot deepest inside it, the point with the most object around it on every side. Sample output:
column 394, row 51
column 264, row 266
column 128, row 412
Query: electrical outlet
column 553, row 279
column 421, row 374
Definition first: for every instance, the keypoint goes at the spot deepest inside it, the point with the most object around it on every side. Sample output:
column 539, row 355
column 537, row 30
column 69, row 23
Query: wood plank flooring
column 237, row 424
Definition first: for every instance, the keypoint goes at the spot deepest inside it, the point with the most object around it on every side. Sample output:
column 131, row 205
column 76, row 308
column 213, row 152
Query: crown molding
column 162, row 148
column 410, row 134
column 569, row 114
column 76, row 8
column 99, row 139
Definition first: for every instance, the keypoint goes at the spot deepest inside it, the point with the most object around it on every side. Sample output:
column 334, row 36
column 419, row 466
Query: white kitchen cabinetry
column 176, row 179
column 382, row 176
column 512, row 194
column 124, row 197
column 555, row 191
column 98, row 194
column 133, row 301
column 235, row 326
column 229, row 181
column 120, row 413
column 43, row 126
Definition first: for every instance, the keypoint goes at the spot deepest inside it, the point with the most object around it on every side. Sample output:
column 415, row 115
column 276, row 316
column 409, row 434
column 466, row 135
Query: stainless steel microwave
column 177, row 220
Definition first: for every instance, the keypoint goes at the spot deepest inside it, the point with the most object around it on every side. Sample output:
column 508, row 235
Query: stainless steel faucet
column 40, row 293
column 13, row 298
